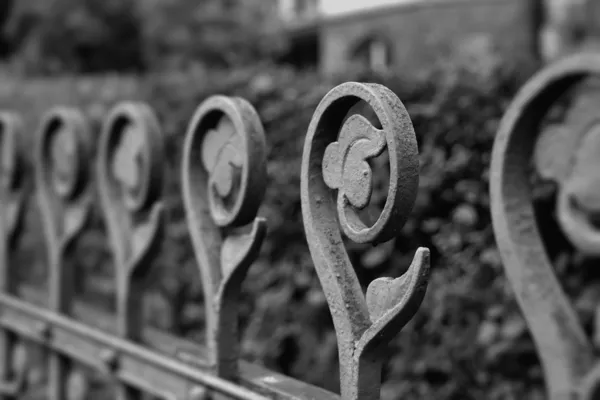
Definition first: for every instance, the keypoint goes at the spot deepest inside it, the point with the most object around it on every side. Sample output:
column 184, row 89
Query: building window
column 373, row 52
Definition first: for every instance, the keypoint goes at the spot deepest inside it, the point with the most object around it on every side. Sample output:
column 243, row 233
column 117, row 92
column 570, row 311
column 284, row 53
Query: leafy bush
column 99, row 36
column 66, row 36
column 214, row 33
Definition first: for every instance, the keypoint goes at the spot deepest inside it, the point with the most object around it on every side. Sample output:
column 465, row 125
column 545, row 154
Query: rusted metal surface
column 224, row 177
column 223, row 184
column 338, row 147
column 564, row 156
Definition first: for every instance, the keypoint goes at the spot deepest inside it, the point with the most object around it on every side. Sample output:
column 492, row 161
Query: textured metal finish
column 566, row 353
column 337, row 150
column 61, row 177
column 223, row 178
column 13, row 195
column 130, row 169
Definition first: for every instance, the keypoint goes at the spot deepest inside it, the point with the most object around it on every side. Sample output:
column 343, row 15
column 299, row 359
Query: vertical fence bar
column 338, row 147
column 566, row 353
column 62, row 154
column 130, row 171
column 224, row 180
column 12, row 204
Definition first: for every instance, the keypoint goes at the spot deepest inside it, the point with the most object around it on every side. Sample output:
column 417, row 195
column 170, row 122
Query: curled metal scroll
column 337, row 151
column 13, row 195
column 61, row 174
column 223, row 178
column 130, row 178
column 566, row 354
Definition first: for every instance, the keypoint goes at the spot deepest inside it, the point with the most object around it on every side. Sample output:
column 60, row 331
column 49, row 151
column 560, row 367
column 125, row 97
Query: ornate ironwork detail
column 13, row 196
column 224, row 178
column 223, row 183
column 566, row 354
column 61, row 175
column 130, row 172
column 337, row 150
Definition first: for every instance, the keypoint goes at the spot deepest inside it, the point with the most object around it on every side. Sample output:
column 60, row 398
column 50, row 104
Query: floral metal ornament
column 570, row 158
column 62, row 176
column 224, row 180
column 13, row 195
column 130, row 177
column 338, row 147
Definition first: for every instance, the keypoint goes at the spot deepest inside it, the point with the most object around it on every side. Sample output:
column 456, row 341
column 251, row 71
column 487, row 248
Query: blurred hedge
column 468, row 340
column 42, row 37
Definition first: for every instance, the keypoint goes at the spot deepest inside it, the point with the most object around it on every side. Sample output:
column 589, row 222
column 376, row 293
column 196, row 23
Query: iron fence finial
column 338, row 147
column 224, row 180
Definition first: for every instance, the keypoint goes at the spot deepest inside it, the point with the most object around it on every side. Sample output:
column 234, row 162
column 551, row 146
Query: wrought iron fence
column 223, row 182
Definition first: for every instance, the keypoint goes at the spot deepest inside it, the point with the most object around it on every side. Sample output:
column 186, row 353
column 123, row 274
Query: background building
column 411, row 34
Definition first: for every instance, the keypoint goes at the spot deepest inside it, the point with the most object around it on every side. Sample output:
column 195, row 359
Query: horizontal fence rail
column 223, row 183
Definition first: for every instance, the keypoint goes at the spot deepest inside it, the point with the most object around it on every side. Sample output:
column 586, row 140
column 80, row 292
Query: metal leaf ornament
column 63, row 153
column 345, row 165
column 222, row 155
